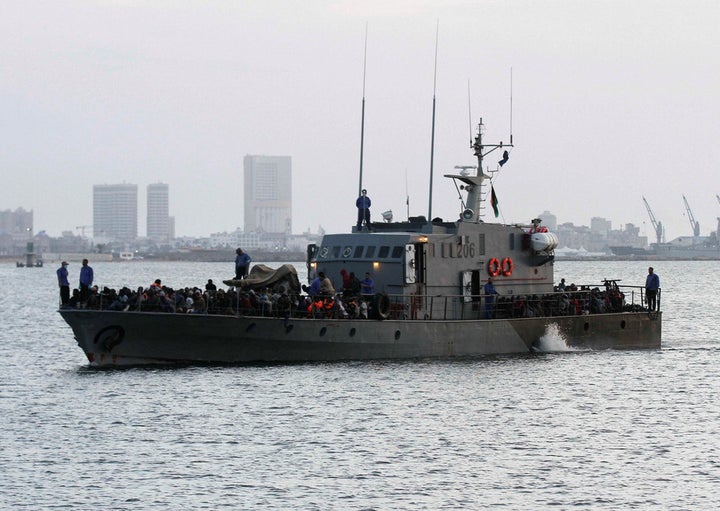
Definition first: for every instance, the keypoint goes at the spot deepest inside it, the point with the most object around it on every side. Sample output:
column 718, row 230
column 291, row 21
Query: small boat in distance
column 129, row 256
column 429, row 299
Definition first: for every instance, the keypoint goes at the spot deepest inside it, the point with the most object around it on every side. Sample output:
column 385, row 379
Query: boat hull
column 110, row 338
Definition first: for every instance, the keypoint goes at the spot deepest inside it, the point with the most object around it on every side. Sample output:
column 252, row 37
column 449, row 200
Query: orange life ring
column 507, row 266
column 494, row 267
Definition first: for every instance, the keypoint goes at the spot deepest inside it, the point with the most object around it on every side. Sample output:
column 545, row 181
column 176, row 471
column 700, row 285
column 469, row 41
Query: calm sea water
column 561, row 430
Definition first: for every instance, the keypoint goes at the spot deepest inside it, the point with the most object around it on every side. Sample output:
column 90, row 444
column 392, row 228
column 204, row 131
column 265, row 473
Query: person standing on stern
column 652, row 284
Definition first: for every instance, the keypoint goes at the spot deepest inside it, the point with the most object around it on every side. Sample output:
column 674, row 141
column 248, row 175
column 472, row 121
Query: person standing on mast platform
column 363, row 205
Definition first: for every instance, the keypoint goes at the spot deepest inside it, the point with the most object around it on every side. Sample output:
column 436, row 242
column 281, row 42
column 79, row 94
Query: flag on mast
column 494, row 201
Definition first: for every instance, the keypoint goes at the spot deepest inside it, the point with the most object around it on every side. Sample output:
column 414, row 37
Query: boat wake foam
column 553, row 341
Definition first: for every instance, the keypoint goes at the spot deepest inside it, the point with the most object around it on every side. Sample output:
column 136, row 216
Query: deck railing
column 585, row 300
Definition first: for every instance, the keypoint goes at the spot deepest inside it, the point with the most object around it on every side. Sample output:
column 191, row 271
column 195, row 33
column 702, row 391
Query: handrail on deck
column 585, row 300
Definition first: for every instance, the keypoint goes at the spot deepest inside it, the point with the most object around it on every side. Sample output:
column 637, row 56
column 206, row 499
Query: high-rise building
column 158, row 209
column 115, row 212
column 16, row 229
column 268, row 194
column 17, row 224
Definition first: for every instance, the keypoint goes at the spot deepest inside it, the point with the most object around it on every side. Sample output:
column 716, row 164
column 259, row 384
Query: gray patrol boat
column 429, row 300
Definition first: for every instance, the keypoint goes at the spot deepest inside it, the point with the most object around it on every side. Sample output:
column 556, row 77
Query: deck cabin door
column 467, row 286
column 415, row 263
column 410, row 265
column 415, row 274
column 471, row 286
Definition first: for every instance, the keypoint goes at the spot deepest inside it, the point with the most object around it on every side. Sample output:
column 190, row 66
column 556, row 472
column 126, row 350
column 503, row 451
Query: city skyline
column 644, row 227
column 607, row 102
column 10, row 218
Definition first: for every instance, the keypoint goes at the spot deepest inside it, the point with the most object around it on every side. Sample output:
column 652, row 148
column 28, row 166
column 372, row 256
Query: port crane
column 693, row 223
column 657, row 225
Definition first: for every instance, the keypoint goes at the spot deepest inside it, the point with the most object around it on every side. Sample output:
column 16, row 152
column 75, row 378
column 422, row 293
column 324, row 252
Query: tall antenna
column 470, row 115
column 432, row 137
column 511, row 105
column 362, row 122
column 407, row 195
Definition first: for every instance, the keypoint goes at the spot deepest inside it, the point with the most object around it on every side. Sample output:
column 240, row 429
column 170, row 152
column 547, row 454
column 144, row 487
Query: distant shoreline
column 201, row 256
column 214, row 256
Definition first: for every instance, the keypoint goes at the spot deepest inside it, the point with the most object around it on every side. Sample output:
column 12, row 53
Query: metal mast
column 362, row 122
column 476, row 193
column 432, row 136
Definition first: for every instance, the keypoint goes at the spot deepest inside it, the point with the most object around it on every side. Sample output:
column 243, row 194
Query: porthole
column 622, row 324
column 397, row 334
column 323, row 331
column 251, row 327
column 352, row 332
column 586, row 326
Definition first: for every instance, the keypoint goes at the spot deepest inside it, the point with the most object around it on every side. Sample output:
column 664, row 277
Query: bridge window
column 358, row 252
column 397, row 252
column 384, row 251
column 370, row 253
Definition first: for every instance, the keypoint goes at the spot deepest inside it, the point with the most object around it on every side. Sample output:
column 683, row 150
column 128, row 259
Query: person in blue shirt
column 367, row 285
column 86, row 280
column 62, row 276
column 363, row 205
column 652, row 284
column 242, row 264
column 489, row 291
column 315, row 285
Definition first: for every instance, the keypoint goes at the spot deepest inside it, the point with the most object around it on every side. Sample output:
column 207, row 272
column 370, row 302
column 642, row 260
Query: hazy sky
column 612, row 100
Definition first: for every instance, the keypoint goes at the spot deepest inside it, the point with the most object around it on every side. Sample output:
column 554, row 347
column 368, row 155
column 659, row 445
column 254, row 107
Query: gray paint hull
column 130, row 338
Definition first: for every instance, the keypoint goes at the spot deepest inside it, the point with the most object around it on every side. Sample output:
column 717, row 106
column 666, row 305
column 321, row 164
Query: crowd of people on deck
column 357, row 299
column 275, row 301
column 319, row 299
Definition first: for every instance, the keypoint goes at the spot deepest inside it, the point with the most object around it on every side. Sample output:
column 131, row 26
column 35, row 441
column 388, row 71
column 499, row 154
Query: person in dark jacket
column 242, row 264
column 489, row 291
column 363, row 204
column 86, row 280
column 62, row 276
column 652, row 284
